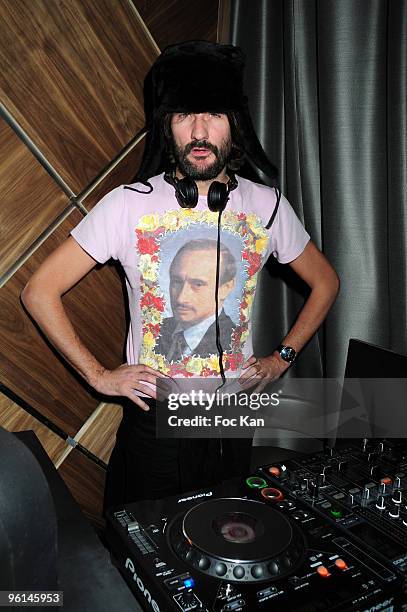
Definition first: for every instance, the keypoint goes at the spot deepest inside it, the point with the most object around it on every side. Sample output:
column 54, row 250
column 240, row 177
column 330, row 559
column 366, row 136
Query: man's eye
column 216, row 114
column 181, row 116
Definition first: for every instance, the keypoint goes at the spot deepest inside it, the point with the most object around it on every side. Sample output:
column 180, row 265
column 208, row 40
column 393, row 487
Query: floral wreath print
column 150, row 230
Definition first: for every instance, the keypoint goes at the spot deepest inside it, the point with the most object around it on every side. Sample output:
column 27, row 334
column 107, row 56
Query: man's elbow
column 332, row 285
column 29, row 296
column 33, row 296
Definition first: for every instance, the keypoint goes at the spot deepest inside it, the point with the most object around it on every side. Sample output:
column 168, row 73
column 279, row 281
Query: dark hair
column 237, row 153
column 227, row 260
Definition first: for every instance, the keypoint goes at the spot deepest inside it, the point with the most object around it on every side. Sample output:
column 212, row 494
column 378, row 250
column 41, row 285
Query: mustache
column 201, row 144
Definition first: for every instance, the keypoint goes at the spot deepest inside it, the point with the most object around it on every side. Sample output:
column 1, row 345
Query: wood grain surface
column 86, row 481
column 72, row 76
column 173, row 21
column 121, row 174
column 99, row 433
column 30, row 199
column 31, row 368
column 14, row 418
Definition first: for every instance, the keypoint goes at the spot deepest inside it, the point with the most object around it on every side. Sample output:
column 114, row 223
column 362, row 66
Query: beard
column 207, row 173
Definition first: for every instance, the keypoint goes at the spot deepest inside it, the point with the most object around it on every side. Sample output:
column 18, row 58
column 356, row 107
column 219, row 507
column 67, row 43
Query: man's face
column 202, row 144
column 192, row 286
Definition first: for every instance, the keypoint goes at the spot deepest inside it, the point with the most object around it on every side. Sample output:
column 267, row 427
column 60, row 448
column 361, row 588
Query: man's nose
column 199, row 127
column 183, row 293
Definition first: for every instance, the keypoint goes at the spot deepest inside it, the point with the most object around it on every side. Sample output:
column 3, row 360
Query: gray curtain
column 327, row 87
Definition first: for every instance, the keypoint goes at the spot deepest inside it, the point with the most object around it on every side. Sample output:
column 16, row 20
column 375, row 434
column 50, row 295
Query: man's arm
column 313, row 267
column 42, row 297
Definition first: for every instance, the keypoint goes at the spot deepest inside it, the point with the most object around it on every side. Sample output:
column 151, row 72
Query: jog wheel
column 237, row 540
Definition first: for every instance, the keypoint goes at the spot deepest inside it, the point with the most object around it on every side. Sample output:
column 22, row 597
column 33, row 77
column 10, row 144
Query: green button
column 256, row 483
column 336, row 513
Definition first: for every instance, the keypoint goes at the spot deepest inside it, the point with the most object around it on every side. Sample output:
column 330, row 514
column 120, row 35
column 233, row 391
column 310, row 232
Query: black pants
column 145, row 467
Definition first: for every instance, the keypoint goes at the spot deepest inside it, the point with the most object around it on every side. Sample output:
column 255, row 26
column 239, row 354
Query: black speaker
column 28, row 525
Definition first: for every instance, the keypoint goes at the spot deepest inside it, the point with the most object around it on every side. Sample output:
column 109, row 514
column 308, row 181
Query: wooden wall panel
column 121, row 174
column 78, row 91
column 14, row 418
column 86, row 481
column 30, row 368
column 172, row 21
column 30, row 199
column 99, row 433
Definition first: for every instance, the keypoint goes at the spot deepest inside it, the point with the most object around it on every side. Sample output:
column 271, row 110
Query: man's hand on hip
column 127, row 379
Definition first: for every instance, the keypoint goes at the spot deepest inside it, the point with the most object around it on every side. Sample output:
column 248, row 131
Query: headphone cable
column 218, row 343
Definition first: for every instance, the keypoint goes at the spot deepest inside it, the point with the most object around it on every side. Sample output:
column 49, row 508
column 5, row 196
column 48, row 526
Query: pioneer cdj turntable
column 316, row 533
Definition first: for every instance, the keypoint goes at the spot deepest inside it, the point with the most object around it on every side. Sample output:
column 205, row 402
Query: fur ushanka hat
column 197, row 76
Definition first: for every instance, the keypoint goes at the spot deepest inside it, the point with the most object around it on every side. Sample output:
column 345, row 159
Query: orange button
column 340, row 563
column 386, row 480
column 274, row 470
column 323, row 571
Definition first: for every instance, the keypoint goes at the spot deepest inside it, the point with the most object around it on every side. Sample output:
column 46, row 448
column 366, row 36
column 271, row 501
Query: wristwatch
column 287, row 353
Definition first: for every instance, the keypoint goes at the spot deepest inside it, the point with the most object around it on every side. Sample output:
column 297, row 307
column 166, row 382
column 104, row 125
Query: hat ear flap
column 153, row 160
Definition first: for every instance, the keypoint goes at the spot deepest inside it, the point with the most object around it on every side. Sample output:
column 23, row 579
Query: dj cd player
column 319, row 532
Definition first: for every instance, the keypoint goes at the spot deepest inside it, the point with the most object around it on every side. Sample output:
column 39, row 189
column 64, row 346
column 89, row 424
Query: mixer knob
column 352, row 494
column 369, row 490
column 372, row 457
column 397, row 496
column 326, row 469
column 394, row 511
column 374, row 470
column 313, row 489
column 320, row 480
column 304, row 484
column 380, row 505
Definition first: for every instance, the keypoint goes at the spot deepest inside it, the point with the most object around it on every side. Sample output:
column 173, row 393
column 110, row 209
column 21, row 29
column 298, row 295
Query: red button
column 340, row 563
column 323, row 571
column 275, row 471
column 272, row 494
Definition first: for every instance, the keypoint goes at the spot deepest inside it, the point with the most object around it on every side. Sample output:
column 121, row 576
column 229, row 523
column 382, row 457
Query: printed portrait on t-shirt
column 178, row 264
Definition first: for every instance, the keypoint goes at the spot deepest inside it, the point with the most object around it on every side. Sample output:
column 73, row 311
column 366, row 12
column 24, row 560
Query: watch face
column 288, row 354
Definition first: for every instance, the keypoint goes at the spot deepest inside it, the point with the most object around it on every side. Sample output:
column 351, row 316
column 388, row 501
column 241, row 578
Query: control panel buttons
column 257, row 571
column 341, row 564
column 272, row 494
column 238, row 571
column 255, row 482
column 323, row 571
column 380, row 504
column 220, row 569
column 273, row 568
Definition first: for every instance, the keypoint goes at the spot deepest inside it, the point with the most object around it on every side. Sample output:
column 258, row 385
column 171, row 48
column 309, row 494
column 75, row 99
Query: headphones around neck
column 186, row 191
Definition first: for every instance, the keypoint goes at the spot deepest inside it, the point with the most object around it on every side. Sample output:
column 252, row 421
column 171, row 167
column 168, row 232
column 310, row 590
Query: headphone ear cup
column 187, row 193
column 218, row 194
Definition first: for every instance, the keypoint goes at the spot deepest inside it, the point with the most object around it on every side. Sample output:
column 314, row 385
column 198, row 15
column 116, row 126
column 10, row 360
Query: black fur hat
column 197, row 76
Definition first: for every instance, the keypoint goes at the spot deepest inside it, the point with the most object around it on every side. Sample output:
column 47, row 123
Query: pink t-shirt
column 169, row 258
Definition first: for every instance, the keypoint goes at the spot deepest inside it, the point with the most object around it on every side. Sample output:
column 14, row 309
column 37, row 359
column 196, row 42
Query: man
column 191, row 329
column 197, row 118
